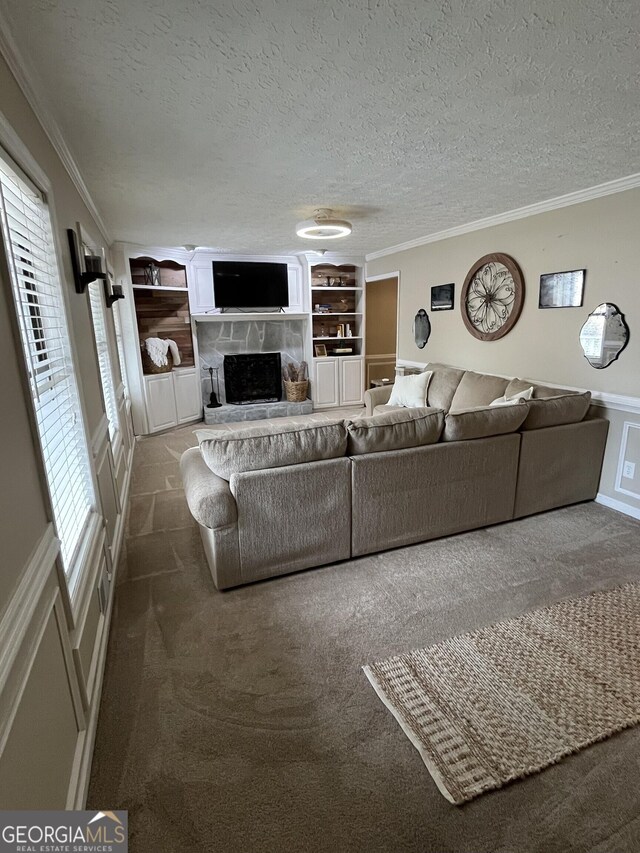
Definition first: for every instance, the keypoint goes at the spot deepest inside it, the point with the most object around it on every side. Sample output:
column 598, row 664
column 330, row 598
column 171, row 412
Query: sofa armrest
column 208, row 496
column 377, row 397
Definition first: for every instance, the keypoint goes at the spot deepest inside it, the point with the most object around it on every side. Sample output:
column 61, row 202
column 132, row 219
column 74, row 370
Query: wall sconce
column 112, row 292
column 92, row 264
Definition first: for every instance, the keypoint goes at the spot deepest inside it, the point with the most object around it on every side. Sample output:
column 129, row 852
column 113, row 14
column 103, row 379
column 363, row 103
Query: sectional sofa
column 274, row 499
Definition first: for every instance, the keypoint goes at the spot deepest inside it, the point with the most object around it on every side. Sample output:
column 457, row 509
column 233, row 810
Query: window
column 96, row 299
column 38, row 296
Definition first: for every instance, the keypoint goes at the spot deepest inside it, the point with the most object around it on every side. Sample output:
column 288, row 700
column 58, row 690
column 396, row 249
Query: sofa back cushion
column 228, row 452
column 443, row 385
column 555, row 411
column 515, row 386
column 484, row 421
column 394, row 430
column 477, row 389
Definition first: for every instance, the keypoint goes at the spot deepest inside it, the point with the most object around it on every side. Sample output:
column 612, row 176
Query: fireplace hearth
column 252, row 378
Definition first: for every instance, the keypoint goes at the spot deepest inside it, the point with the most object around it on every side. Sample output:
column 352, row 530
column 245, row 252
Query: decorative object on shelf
column 152, row 275
column 323, row 331
column 92, row 264
column 343, row 350
column 323, row 226
column 159, row 355
column 421, row 328
column 604, row 335
column 492, row 297
column 348, row 332
column 296, row 383
column 340, row 330
column 562, row 289
column 344, row 304
column 214, row 396
column 442, row 297
column 323, row 308
column 320, row 350
column 335, row 282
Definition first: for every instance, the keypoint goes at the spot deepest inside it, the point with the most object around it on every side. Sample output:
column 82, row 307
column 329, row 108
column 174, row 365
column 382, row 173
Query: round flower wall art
column 492, row 297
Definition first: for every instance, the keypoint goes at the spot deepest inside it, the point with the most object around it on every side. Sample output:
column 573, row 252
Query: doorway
column 381, row 327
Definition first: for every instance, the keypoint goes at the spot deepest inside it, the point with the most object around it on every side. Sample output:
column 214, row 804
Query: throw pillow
column 514, row 398
column 411, row 390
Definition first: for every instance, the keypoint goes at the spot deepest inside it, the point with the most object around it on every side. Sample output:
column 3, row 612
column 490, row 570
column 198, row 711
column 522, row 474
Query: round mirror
column 421, row 328
column 604, row 335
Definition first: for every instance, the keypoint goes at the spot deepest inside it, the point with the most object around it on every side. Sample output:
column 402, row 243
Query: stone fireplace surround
column 238, row 336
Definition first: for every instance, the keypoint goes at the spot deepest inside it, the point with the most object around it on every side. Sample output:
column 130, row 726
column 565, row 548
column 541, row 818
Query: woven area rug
column 509, row 700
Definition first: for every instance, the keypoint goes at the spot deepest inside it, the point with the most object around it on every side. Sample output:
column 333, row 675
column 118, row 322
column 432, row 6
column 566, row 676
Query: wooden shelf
column 337, row 314
column 160, row 288
column 352, row 338
column 338, row 289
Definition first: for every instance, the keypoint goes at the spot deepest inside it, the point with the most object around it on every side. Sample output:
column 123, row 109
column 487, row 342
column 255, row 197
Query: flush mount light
column 323, row 226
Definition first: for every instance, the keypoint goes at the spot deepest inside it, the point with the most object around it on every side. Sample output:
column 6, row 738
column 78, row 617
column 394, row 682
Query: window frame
column 73, row 580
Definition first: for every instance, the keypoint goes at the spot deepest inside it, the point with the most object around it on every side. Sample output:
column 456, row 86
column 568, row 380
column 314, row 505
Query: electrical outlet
column 629, row 470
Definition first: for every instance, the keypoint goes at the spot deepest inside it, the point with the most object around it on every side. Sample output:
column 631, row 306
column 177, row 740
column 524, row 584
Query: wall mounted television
column 250, row 284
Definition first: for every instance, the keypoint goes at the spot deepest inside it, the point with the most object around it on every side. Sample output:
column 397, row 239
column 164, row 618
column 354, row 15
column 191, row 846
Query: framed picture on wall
column 562, row 289
column 442, row 297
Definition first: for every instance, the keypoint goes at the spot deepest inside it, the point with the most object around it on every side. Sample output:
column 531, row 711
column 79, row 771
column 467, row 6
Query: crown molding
column 609, row 188
column 13, row 57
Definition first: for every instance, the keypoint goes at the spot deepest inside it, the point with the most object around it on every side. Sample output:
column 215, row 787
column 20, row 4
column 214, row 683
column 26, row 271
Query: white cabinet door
column 351, row 381
column 201, row 288
column 188, row 395
column 326, row 382
column 161, row 401
column 295, row 289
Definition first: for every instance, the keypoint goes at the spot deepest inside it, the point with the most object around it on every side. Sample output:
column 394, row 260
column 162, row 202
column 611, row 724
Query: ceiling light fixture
column 323, row 226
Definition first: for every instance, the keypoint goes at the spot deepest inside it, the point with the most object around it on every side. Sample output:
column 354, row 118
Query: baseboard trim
column 620, row 506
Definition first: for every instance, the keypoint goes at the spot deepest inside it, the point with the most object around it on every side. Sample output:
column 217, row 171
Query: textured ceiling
column 223, row 122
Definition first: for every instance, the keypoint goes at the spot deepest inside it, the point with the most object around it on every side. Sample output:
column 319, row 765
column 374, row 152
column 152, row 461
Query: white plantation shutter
column 26, row 228
column 117, row 325
column 104, row 356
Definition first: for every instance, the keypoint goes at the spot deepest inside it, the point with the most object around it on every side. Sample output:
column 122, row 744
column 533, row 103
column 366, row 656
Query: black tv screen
column 250, row 284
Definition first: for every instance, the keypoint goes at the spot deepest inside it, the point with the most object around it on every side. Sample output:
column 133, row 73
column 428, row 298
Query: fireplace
column 252, row 378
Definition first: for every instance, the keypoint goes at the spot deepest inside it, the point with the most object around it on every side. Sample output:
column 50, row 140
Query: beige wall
column 381, row 320
column 599, row 235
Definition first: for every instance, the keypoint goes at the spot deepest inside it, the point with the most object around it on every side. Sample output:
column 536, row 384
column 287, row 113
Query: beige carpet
column 241, row 721
column 501, row 703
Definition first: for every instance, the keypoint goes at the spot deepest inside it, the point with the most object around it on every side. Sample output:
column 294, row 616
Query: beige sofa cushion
column 228, row 452
column 539, row 391
column 477, row 389
column 443, row 385
column 394, row 430
column 555, row 411
column 482, row 422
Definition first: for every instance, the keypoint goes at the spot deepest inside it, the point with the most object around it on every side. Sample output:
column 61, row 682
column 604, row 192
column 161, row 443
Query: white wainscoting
column 53, row 647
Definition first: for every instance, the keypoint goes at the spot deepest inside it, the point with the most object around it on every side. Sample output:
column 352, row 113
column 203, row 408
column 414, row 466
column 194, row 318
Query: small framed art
column 442, row 297
column 320, row 350
column 562, row 289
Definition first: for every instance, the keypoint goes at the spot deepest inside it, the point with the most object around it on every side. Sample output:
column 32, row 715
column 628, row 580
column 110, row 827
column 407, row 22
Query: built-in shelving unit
column 337, row 334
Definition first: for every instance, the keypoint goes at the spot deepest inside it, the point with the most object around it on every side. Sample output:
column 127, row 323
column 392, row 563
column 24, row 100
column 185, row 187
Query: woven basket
column 148, row 366
column 296, row 391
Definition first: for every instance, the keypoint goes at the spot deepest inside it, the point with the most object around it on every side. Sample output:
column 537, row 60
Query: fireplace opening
column 252, row 378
